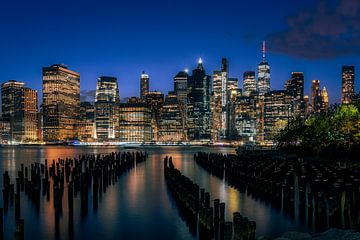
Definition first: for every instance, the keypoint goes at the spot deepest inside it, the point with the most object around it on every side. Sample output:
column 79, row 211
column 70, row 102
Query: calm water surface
column 139, row 206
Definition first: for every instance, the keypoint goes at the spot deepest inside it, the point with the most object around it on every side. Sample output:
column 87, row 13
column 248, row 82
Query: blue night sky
column 122, row 38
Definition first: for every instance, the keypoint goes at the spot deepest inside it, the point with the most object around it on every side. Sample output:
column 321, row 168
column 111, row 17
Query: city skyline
column 124, row 51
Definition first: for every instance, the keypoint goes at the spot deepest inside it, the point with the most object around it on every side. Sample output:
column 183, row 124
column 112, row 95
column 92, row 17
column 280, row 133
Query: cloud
column 87, row 95
column 327, row 30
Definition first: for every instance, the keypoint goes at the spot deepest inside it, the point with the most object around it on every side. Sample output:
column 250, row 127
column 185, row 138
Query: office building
column 170, row 124
column 249, row 83
column 144, row 85
column 135, row 122
column 263, row 85
column 277, row 112
column 295, row 88
column 61, row 103
column 348, row 84
column 107, row 109
column 199, row 104
column 181, row 90
column 20, row 109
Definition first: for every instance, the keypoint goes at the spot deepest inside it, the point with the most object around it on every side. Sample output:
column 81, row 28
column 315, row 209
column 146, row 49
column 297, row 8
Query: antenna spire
column 264, row 50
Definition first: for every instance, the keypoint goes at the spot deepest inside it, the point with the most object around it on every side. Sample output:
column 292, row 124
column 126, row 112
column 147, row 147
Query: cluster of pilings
column 322, row 193
column 88, row 174
column 208, row 221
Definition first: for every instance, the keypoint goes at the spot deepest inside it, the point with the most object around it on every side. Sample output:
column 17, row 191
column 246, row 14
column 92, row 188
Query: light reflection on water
column 139, row 205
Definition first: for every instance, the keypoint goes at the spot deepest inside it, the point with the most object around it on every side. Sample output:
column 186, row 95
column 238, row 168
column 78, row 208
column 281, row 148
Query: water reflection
column 139, row 205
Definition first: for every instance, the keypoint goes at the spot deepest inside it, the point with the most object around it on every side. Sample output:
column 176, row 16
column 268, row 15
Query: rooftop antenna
column 264, row 50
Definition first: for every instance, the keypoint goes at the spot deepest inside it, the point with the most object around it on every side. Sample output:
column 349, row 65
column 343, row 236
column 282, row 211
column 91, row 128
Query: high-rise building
column 245, row 118
column 295, row 88
column 324, row 100
column 199, row 104
column 154, row 101
column 170, row 125
column 181, row 90
column 135, row 122
column 249, row 83
column 61, row 103
column 316, row 98
column 216, row 106
column 20, row 109
column 263, row 85
column 233, row 92
column 348, row 84
column 220, row 99
column 144, row 85
column 11, row 92
column 86, row 127
column 277, row 112
column 107, row 109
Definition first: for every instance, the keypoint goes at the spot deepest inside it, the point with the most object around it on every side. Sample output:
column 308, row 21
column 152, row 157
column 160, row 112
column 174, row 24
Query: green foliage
column 336, row 132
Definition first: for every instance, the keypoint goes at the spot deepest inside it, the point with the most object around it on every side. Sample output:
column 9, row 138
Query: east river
column 139, row 206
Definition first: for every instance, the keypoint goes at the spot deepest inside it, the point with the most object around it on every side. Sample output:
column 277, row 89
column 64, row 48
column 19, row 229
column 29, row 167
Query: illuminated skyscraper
column 20, row 109
column 324, row 100
column 61, row 103
column 348, row 82
column 107, row 109
column 295, row 88
column 199, row 104
column 277, row 112
column 181, row 90
column 245, row 117
column 249, row 83
column 144, row 85
column 263, row 85
column 216, row 106
column 135, row 122
column 316, row 98
column 220, row 99
column 154, row 101
column 170, row 125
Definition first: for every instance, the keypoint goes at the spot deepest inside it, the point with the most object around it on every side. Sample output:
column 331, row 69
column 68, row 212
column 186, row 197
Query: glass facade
column 277, row 112
column 249, row 83
column 135, row 122
column 199, row 104
column 144, row 85
column 20, row 109
column 61, row 103
column 348, row 81
column 170, row 125
column 107, row 109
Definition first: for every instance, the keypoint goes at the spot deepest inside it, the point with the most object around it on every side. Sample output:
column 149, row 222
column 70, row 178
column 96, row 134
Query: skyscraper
column 295, row 88
column 220, row 95
column 170, row 125
column 154, row 101
column 107, row 109
column 263, row 85
column 348, row 82
column 61, row 103
column 277, row 112
column 324, row 100
column 199, row 100
column 181, row 90
column 316, row 98
column 249, row 83
column 20, row 109
column 144, row 85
